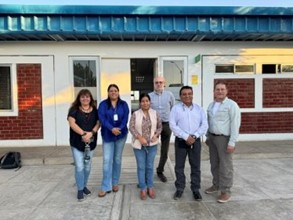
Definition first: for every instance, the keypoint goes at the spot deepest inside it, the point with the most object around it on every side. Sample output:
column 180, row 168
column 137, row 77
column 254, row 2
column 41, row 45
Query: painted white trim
column 265, row 137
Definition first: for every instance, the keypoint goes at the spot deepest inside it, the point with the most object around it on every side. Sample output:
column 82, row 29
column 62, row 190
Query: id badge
column 115, row 117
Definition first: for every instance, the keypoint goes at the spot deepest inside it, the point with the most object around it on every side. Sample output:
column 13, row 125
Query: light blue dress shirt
column 185, row 121
column 162, row 103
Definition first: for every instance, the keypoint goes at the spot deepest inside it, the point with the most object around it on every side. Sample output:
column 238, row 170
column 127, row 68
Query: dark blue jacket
column 106, row 114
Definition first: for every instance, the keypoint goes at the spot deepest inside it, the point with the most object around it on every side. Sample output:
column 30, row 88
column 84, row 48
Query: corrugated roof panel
column 118, row 24
column 192, row 24
column 93, row 24
column 41, row 23
column 204, row 24
column 105, row 24
column 240, row 24
column 167, row 24
column 145, row 23
column 216, row 24
column 180, row 24
column 66, row 24
column 228, row 24
column 55, row 23
column 252, row 24
column 130, row 24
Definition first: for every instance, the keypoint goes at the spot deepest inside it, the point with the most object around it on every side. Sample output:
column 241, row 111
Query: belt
column 217, row 134
column 165, row 122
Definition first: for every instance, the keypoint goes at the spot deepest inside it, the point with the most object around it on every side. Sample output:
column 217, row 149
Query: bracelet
column 84, row 133
column 93, row 132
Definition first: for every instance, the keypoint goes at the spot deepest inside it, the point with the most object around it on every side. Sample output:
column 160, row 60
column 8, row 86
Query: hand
column 116, row 131
column 87, row 138
column 143, row 141
column 154, row 138
column 230, row 149
column 190, row 140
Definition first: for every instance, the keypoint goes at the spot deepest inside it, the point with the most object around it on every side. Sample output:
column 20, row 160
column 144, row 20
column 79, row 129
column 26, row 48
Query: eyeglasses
column 159, row 82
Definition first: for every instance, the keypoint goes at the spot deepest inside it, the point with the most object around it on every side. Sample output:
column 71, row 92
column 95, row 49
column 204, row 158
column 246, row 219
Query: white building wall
column 60, row 87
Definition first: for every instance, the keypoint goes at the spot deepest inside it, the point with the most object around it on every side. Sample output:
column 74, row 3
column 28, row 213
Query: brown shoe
column 115, row 188
column 143, row 195
column 224, row 197
column 211, row 190
column 103, row 194
column 151, row 193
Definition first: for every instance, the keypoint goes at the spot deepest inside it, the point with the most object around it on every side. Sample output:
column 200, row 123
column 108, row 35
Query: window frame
column 94, row 90
column 14, row 91
column 234, row 66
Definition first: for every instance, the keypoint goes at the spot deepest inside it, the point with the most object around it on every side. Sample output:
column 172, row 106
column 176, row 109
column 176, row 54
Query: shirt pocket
column 222, row 114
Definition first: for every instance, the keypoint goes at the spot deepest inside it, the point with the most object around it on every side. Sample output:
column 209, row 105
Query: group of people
column 157, row 117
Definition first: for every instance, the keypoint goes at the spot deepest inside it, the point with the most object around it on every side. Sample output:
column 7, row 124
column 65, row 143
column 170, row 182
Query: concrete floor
column 44, row 188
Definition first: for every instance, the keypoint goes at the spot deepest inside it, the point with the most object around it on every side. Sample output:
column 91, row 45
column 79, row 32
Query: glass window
column 244, row 68
column 269, row 68
column 84, row 73
column 173, row 71
column 5, row 88
column 287, row 68
column 229, row 68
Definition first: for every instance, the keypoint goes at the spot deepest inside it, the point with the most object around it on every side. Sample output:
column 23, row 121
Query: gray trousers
column 221, row 163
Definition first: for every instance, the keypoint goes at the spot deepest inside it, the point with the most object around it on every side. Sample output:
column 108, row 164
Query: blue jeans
column 112, row 158
column 82, row 170
column 145, row 158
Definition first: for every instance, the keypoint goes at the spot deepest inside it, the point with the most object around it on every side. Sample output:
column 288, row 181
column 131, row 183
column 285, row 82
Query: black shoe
column 162, row 177
column 197, row 196
column 80, row 196
column 177, row 195
column 86, row 191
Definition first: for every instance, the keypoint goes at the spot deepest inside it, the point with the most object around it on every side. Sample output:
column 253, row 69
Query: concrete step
column 62, row 154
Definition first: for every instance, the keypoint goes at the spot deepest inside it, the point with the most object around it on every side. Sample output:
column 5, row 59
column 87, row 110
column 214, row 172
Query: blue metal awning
column 145, row 23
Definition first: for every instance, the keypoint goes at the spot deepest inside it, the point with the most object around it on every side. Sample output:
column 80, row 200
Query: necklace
column 85, row 110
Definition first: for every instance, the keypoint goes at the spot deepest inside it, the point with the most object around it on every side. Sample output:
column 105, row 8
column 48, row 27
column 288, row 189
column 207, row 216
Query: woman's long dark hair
column 108, row 99
column 76, row 104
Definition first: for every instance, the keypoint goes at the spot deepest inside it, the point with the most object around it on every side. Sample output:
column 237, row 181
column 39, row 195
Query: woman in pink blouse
column 145, row 127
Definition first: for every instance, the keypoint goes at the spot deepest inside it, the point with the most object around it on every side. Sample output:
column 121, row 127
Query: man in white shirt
column 224, row 120
column 188, row 122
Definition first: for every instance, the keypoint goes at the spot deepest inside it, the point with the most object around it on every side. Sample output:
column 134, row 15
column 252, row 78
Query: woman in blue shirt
column 113, row 116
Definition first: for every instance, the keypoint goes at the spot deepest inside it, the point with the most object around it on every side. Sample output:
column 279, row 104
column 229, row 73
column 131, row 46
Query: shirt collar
column 225, row 100
column 158, row 93
column 186, row 107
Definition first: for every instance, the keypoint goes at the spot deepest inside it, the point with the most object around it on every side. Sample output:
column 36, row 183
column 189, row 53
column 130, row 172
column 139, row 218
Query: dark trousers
column 194, row 156
column 165, row 141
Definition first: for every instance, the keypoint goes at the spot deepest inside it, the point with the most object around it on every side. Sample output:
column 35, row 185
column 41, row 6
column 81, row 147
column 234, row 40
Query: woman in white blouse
column 145, row 127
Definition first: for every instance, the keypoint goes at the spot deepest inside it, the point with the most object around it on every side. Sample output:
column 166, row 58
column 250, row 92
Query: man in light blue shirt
column 188, row 122
column 162, row 101
column 224, row 120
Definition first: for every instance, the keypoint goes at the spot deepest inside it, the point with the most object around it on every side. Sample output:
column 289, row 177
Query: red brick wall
column 278, row 93
column 266, row 122
column 241, row 91
column 29, row 122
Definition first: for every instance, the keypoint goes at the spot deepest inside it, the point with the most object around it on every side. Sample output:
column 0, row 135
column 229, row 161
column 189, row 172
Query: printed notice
column 194, row 79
